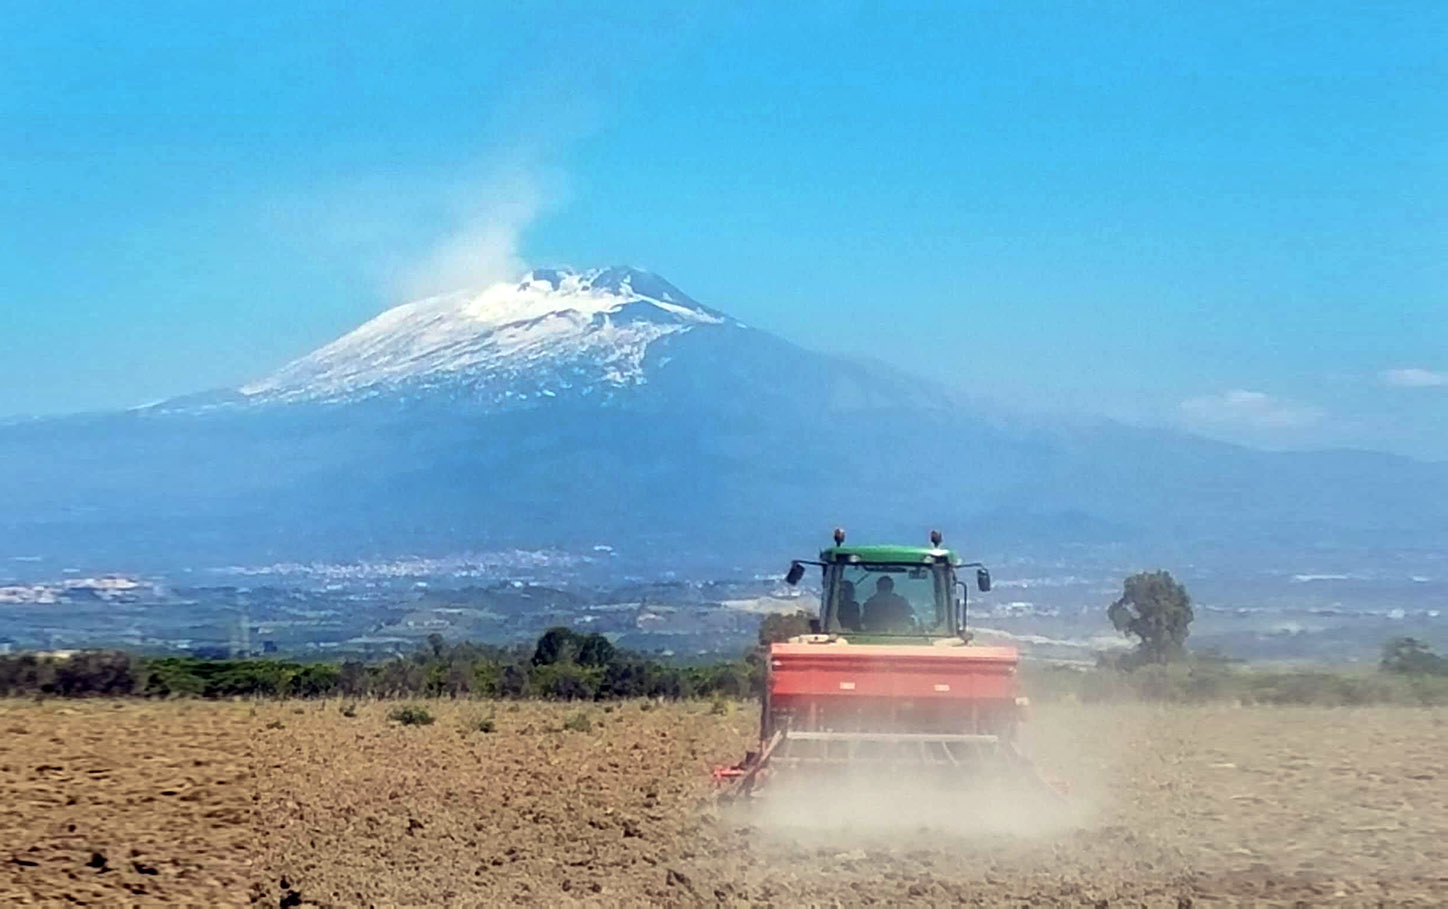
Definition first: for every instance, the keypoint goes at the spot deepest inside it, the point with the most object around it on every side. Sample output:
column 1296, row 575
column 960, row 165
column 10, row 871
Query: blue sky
column 1225, row 217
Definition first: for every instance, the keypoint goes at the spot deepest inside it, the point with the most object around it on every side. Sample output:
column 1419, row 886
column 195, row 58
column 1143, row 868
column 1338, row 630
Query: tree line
column 562, row 665
column 567, row 665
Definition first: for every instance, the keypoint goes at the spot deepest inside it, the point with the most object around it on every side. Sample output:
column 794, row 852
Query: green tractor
column 888, row 675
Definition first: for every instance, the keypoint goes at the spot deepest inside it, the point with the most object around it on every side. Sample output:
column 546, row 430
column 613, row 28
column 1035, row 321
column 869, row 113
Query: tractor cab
column 891, row 592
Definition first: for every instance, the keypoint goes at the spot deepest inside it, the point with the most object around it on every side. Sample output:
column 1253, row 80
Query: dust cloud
column 863, row 808
column 1062, row 791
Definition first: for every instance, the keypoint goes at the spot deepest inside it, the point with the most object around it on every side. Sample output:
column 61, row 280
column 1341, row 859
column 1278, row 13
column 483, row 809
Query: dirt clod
column 676, row 878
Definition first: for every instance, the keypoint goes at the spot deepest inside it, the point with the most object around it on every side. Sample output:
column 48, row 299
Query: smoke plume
column 480, row 244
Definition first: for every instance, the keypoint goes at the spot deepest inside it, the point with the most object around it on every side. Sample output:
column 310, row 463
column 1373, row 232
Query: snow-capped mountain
column 554, row 333
column 578, row 407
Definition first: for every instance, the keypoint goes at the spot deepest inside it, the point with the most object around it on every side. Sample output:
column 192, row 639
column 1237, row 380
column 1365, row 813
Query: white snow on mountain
column 555, row 331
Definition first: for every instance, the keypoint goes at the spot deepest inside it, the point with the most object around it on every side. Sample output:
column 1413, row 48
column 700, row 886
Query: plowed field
column 281, row 804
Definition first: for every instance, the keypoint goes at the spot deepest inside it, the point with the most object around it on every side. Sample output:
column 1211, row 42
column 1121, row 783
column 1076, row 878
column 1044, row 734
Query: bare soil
column 126, row 803
column 291, row 804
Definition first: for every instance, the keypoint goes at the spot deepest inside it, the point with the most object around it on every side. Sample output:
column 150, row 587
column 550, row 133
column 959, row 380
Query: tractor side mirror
column 982, row 579
column 796, row 571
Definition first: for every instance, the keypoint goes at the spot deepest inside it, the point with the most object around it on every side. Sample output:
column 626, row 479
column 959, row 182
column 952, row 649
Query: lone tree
column 1155, row 610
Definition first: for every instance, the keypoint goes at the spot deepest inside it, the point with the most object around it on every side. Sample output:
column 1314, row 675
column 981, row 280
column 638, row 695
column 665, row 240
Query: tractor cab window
column 889, row 599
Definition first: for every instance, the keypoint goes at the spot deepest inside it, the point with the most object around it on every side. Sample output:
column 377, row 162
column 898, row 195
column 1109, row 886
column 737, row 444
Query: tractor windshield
column 889, row 599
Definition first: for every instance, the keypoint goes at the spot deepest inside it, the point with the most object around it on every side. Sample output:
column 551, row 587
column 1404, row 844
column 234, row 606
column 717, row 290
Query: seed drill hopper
column 888, row 680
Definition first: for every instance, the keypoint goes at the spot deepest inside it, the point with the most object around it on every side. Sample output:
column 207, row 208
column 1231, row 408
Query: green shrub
column 578, row 722
column 1410, row 656
column 26, row 673
column 110, row 673
column 172, row 677
column 730, row 680
column 410, row 715
column 353, row 679
column 315, row 680
column 482, row 724
column 565, row 682
column 248, row 678
column 487, row 679
column 514, row 682
column 400, row 676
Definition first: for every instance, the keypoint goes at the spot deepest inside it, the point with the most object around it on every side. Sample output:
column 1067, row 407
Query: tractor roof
column 908, row 554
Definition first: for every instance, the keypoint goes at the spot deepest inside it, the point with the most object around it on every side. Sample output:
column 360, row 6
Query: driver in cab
column 886, row 610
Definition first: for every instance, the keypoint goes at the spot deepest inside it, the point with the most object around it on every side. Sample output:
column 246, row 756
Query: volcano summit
column 553, row 333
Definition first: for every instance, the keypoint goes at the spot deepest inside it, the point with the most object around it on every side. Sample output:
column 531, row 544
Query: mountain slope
column 607, row 406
